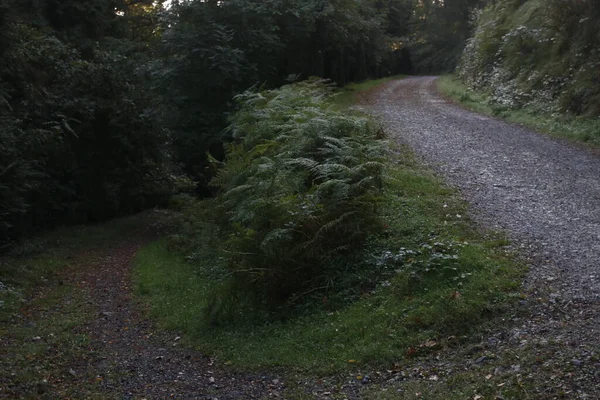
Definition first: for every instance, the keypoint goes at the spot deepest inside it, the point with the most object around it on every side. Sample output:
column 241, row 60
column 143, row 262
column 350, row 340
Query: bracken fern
column 298, row 190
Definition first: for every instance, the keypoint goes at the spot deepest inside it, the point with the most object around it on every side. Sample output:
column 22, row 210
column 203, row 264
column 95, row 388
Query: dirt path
column 544, row 192
column 120, row 354
column 151, row 364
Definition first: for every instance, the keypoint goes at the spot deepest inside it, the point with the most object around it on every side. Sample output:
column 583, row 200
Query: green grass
column 42, row 346
column 576, row 129
column 402, row 316
column 350, row 94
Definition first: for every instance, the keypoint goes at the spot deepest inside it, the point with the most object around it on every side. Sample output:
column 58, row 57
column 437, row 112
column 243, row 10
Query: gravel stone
column 544, row 192
column 481, row 360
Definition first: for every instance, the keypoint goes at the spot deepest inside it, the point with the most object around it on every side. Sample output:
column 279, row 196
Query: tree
column 77, row 141
column 439, row 31
column 215, row 49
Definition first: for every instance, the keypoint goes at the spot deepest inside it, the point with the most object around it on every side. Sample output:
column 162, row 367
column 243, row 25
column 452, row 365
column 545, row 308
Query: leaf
column 429, row 344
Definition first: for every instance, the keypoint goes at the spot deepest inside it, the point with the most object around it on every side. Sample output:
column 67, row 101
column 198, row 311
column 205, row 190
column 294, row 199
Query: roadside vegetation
column 534, row 62
column 578, row 129
column 393, row 269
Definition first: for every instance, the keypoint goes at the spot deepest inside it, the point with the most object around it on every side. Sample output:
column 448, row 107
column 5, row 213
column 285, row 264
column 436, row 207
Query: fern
column 298, row 188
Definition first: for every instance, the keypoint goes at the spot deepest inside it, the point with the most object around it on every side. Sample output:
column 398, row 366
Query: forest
column 295, row 189
column 110, row 106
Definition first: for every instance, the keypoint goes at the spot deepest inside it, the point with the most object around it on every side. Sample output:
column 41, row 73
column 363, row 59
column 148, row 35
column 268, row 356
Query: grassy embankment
column 429, row 280
column 580, row 130
column 534, row 62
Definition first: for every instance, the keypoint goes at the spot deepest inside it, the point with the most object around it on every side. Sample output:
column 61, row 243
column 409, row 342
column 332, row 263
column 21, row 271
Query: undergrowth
column 576, row 128
column 426, row 280
column 298, row 194
column 539, row 54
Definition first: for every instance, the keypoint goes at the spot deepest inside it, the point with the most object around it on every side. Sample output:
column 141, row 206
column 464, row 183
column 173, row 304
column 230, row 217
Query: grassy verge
column 42, row 348
column 576, row 129
column 428, row 278
column 351, row 93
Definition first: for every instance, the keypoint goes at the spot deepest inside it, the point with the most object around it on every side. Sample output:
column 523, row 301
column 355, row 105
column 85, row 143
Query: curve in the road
column 542, row 191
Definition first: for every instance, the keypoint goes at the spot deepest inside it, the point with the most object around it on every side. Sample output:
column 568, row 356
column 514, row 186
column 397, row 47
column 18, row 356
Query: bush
column 298, row 190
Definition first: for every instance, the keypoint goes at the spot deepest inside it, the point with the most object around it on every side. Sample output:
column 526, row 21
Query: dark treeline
column 76, row 142
column 214, row 50
column 105, row 104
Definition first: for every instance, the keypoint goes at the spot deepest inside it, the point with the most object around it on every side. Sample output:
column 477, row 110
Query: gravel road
column 544, row 192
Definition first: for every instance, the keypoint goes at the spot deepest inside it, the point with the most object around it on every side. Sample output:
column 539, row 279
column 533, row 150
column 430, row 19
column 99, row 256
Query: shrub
column 298, row 190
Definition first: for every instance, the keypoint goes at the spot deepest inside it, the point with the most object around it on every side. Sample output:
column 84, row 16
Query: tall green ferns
column 298, row 189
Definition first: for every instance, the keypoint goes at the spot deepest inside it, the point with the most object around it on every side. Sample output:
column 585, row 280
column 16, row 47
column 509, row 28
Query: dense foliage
column 102, row 102
column 215, row 49
column 298, row 190
column 543, row 54
column 76, row 142
column 438, row 32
